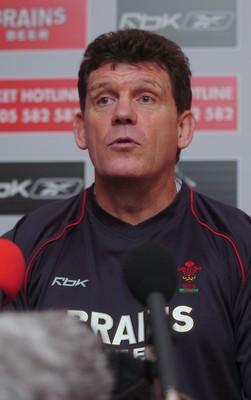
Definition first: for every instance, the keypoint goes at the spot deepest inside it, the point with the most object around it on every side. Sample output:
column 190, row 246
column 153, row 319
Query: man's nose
column 124, row 113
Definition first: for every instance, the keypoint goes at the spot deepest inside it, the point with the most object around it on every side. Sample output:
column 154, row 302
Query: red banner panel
column 215, row 102
column 35, row 105
column 43, row 24
column 49, row 104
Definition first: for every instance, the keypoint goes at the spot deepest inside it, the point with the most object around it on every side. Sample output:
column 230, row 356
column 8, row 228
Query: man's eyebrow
column 107, row 84
column 150, row 82
column 100, row 85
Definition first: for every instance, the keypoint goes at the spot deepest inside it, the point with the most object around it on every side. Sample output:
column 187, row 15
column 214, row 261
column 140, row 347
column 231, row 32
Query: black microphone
column 12, row 269
column 151, row 275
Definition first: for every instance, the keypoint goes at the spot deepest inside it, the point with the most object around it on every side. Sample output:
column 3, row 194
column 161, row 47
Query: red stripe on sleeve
column 218, row 234
column 52, row 240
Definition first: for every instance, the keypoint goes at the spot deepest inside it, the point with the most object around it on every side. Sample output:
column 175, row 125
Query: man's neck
column 134, row 202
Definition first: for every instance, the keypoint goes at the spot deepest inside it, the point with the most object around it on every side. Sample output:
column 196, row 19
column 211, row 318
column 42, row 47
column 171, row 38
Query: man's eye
column 103, row 100
column 146, row 99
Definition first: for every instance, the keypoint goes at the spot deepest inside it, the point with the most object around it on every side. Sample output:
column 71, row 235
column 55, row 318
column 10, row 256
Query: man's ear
column 186, row 127
column 79, row 130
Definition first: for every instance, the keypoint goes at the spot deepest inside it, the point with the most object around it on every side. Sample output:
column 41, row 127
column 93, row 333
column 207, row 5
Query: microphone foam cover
column 150, row 268
column 12, row 269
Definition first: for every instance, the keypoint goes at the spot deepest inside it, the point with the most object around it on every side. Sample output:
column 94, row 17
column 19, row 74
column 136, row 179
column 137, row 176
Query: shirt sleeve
column 242, row 330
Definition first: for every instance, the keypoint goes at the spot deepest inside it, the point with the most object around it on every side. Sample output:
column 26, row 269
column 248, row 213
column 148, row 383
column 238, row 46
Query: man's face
column 130, row 125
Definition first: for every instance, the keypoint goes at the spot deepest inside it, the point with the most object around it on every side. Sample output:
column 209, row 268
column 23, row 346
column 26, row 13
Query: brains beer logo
column 189, row 272
column 43, row 24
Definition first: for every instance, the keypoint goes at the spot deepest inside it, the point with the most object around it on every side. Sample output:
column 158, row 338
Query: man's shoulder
column 50, row 211
column 223, row 218
column 46, row 221
column 208, row 203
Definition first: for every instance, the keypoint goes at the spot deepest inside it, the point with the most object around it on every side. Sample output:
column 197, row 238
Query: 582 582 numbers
column 37, row 115
column 214, row 113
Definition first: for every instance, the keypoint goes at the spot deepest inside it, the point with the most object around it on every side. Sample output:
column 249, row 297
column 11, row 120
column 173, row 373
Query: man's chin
column 126, row 179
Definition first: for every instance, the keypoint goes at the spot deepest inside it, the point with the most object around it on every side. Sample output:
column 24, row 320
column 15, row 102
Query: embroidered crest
column 189, row 272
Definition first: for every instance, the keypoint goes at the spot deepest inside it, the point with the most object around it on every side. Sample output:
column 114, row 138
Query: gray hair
column 50, row 355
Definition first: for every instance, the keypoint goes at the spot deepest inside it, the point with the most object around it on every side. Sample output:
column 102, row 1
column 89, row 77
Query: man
column 135, row 118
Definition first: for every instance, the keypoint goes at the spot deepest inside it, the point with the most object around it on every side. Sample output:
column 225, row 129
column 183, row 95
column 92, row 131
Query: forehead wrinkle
column 100, row 85
column 130, row 77
column 137, row 83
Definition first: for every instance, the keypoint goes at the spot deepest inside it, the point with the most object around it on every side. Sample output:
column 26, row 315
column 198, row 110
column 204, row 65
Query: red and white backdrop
column 41, row 46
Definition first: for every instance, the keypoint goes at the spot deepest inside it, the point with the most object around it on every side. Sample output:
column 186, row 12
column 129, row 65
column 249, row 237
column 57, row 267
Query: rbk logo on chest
column 63, row 281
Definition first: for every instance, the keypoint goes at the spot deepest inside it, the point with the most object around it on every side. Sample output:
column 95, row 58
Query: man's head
column 135, row 97
column 135, row 46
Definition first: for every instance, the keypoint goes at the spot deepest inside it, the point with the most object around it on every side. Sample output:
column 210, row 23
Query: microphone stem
column 162, row 344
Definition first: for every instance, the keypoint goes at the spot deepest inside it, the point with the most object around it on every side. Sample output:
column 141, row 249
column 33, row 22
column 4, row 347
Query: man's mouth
column 123, row 140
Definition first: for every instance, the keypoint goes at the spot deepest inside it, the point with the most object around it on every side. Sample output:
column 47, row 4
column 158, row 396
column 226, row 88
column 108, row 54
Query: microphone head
column 12, row 269
column 151, row 268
